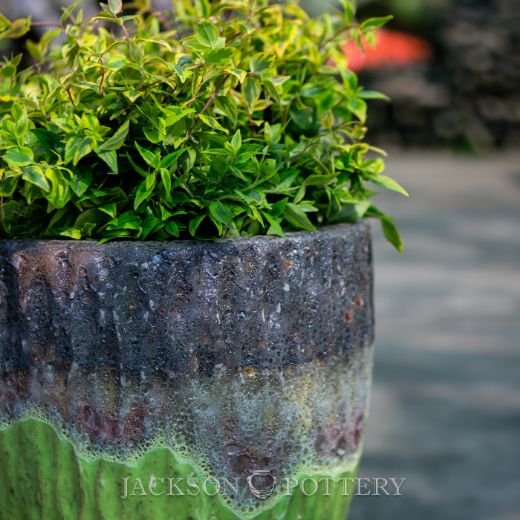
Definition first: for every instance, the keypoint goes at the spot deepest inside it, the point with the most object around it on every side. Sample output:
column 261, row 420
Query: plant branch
column 67, row 89
column 127, row 36
column 208, row 103
column 336, row 34
column 48, row 24
column 196, row 93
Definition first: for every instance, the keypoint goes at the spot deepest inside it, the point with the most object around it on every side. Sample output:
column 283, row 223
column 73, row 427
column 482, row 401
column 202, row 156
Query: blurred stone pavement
column 445, row 408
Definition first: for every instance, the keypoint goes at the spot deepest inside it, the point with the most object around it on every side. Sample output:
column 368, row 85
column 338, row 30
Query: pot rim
column 332, row 230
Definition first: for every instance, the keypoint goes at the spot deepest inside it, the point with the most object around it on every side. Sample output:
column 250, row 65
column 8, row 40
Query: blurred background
column 452, row 69
column 446, row 398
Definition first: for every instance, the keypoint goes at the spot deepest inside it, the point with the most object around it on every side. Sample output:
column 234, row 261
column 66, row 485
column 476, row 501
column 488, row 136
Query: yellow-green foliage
column 216, row 119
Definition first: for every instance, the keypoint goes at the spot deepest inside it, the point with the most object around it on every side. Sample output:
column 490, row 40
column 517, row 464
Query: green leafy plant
column 217, row 119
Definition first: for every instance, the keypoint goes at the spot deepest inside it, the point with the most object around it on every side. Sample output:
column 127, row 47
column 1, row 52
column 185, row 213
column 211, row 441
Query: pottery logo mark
column 261, row 483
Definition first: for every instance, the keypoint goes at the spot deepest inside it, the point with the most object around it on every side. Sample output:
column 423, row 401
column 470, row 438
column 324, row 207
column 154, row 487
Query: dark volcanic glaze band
column 185, row 307
column 242, row 354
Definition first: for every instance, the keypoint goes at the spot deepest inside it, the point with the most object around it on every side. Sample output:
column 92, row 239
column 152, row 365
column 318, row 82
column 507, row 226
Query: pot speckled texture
column 240, row 355
column 179, row 307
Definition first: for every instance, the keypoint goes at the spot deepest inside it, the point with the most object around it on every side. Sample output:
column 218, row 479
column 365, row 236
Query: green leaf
column 110, row 158
column 170, row 159
column 251, row 90
column 260, row 63
column 15, row 29
column 150, row 158
column 300, row 194
column 35, row 175
column 150, row 182
column 128, row 220
column 219, row 56
column 319, row 180
column 166, row 180
column 71, row 233
column 172, row 228
column 372, row 94
column 153, row 135
column 220, row 213
column 144, row 191
column 81, row 181
column 274, row 228
column 109, row 209
column 208, row 34
column 304, row 119
column 279, row 80
column 19, row 115
column 195, row 224
column 175, row 114
column 297, row 216
column 278, row 208
column 8, row 185
column 17, row 157
column 114, row 234
column 236, row 141
column 358, row 107
column 67, row 11
column 226, row 107
column 76, row 148
column 273, row 133
column 115, row 6
column 116, row 140
column 150, row 224
column 47, row 139
column 375, row 23
column 60, row 192
column 206, row 37
column 391, row 233
column 351, row 212
column 90, row 220
column 389, row 229
column 389, row 184
column 213, row 123
column 349, row 11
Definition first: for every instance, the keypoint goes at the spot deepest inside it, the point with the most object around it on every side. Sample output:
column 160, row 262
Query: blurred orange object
column 392, row 49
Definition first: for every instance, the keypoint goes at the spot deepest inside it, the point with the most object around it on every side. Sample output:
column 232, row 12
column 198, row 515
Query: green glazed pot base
column 43, row 476
column 278, row 428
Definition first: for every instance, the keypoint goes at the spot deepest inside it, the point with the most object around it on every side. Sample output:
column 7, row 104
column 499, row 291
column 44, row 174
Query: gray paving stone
column 446, row 399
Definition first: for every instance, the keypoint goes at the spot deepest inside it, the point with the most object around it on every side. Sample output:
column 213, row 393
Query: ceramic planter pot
column 184, row 380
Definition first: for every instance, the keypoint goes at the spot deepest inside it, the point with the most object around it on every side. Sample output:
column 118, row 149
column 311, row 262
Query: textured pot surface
column 235, row 358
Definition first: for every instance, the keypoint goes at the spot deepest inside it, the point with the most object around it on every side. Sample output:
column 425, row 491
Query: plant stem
column 336, row 34
column 127, row 36
column 48, row 24
column 67, row 89
column 208, row 103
